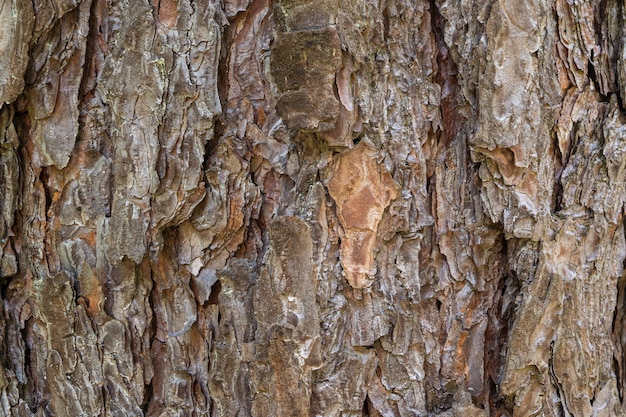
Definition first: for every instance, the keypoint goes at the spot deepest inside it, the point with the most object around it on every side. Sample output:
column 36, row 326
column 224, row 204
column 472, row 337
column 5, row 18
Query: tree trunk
column 312, row 208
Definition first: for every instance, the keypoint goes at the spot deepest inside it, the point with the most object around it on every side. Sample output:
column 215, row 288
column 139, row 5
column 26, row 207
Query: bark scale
column 325, row 208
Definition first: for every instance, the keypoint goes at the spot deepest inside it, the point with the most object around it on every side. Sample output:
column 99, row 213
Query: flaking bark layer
column 312, row 208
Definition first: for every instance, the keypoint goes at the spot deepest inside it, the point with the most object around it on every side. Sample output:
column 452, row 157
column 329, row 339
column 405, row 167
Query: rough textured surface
column 312, row 208
column 361, row 193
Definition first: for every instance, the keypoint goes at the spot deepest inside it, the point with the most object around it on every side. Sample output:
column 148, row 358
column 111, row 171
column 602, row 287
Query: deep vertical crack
column 619, row 357
column 446, row 77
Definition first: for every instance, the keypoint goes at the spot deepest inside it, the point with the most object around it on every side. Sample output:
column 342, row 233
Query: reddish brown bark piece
column 362, row 191
column 187, row 227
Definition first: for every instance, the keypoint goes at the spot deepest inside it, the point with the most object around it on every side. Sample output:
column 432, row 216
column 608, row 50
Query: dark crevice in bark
column 211, row 144
column 215, row 293
column 558, row 195
column 28, row 386
column 603, row 17
column 77, row 291
column 147, row 397
column 618, row 378
column 106, row 396
column 103, row 395
column 593, row 79
column 366, row 407
column 446, row 77
column 499, row 406
column 619, row 355
column 89, row 65
column 560, row 407
column 559, row 163
column 620, row 103
column 152, row 327
column 618, row 53
column 43, row 177
column 501, row 318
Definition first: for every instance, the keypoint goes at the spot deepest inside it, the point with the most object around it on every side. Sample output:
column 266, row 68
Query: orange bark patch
column 362, row 192
column 505, row 159
column 168, row 12
column 461, row 367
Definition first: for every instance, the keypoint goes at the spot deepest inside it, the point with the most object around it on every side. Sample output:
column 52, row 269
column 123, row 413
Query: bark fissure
column 324, row 208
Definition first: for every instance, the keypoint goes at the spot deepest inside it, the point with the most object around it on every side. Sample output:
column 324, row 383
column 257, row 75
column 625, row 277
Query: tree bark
column 312, row 208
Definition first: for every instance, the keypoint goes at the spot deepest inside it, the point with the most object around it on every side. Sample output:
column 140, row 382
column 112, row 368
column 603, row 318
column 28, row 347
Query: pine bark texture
column 312, row 208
